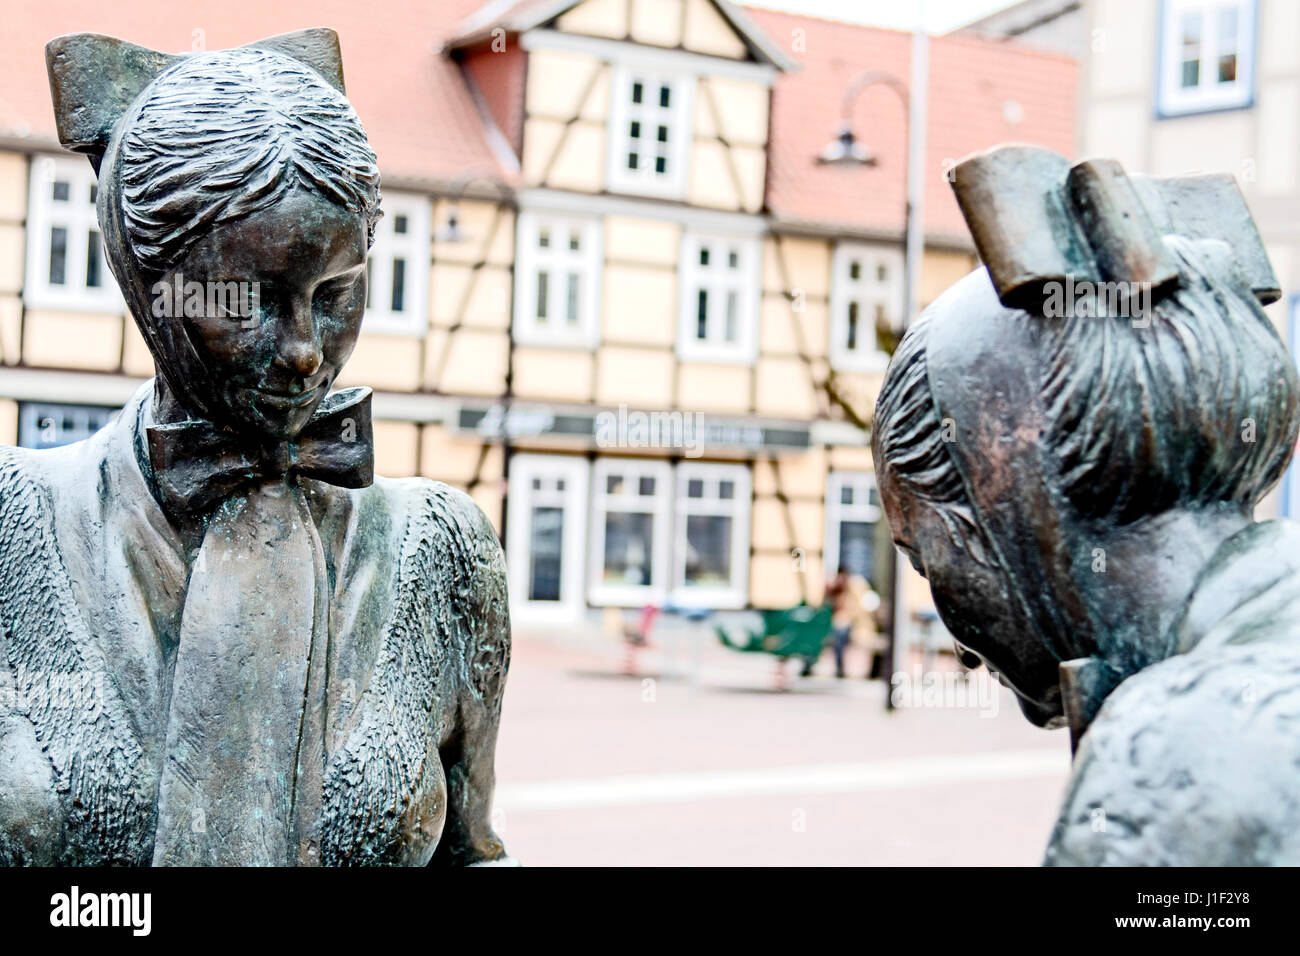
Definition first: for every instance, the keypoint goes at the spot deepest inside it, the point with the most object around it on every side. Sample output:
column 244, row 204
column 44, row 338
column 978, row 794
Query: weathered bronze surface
column 1070, row 445
column 224, row 641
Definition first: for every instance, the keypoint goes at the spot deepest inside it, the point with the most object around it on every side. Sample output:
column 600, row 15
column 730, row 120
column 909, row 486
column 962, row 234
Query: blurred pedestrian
column 852, row 602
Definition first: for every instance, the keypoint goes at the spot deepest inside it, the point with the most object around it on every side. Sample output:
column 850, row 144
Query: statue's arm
column 468, row 754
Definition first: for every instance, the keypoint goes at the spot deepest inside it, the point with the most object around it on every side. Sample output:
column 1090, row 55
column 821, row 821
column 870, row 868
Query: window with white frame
column 711, row 534
column 630, row 531
column 397, row 300
column 718, row 312
column 557, row 280
column 866, row 293
column 66, row 268
column 50, row 424
column 1207, row 52
column 650, row 132
column 852, row 512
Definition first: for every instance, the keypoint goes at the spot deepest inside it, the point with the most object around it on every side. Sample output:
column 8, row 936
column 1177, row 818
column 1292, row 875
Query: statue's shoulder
column 1193, row 762
column 435, row 511
column 24, row 503
column 452, row 564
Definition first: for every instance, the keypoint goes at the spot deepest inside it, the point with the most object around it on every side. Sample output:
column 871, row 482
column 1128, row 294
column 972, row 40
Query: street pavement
column 698, row 760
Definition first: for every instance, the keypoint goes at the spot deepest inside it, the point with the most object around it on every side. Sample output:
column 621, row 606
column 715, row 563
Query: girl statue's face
column 280, row 295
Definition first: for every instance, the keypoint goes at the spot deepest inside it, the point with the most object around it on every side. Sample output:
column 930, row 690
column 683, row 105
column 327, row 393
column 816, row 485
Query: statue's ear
column 317, row 47
column 94, row 79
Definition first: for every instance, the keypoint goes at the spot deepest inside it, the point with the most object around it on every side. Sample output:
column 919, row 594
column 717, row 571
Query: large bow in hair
column 1038, row 220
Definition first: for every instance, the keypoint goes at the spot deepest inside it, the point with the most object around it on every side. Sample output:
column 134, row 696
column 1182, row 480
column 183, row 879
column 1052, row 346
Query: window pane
column 42, row 425
column 858, row 548
column 695, row 488
column 647, row 487
column 1191, row 50
column 629, row 544
column 708, row 550
column 637, row 92
column 665, row 96
column 399, row 225
column 663, row 134
column 613, row 484
column 731, row 316
column 882, row 273
column 633, row 160
column 571, row 300
column 399, row 285
column 1228, row 45
column 93, row 259
column 846, row 495
column 733, row 259
column 726, row 489
column 704, row 255
column 634, row 130
column 94, row 193
column 855, row 269
column 702, row 314
column 543, row 293
column 58, row 255
column 852, row 342
column 575, row 242
column 661, row 164
column 544, row 238
column 544, row 554
column 61, row 190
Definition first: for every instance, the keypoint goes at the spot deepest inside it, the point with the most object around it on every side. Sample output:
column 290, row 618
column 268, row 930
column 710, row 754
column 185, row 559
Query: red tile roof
column 976, row 88
column 427, row 130
column 415, row 105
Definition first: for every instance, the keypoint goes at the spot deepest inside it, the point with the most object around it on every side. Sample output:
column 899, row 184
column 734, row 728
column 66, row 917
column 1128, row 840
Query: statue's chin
column 1045, row 714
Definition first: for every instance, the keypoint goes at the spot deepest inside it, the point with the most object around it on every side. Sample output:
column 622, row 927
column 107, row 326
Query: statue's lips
column 285, row 400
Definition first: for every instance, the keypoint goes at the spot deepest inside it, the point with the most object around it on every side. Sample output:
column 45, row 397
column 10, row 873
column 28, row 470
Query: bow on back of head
column 1037, row 220
column 196, row 464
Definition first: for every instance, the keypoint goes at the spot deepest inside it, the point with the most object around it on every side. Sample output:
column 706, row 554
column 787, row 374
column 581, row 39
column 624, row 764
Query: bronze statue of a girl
column 223, row 641
column 1070, row 444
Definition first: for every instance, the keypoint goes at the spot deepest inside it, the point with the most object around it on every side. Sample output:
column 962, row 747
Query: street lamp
column 845, row 151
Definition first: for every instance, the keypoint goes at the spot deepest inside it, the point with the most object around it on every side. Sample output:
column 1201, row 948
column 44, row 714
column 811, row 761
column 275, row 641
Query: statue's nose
column 299, row 348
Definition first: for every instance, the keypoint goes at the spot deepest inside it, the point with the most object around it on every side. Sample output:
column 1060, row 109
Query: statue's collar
column 1086, row 682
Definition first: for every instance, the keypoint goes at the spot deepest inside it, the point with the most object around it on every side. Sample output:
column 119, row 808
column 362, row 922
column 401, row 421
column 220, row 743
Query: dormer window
column 649, row 132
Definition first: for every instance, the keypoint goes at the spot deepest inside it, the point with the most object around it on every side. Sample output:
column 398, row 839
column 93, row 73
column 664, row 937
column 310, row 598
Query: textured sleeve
column 481, row 608
column 1192, row 762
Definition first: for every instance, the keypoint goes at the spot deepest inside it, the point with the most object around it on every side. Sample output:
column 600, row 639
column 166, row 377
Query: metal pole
column 913, row 252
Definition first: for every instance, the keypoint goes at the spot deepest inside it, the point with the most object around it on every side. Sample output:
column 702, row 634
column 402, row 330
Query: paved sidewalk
column 698, row 761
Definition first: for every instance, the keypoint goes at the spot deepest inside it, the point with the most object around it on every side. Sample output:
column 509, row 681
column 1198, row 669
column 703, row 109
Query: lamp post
column 845, row 151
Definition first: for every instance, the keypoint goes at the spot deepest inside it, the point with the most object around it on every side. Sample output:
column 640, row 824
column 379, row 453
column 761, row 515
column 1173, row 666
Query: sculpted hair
column 1200, row 407
column 223, row 135
column 908, row 438
column 1196, row 409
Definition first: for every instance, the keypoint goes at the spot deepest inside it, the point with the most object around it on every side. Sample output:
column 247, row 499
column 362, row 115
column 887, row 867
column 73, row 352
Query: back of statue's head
column 1110, row 364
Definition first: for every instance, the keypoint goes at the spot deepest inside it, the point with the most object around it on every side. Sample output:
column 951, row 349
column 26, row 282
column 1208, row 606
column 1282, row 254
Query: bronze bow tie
column 196, row 464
